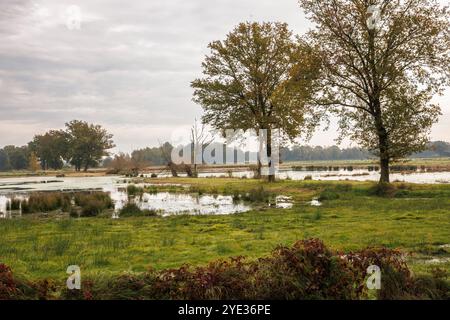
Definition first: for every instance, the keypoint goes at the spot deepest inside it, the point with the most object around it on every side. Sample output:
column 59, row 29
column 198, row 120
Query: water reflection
column 335, row 175
column 6, row 205
column 283, row 202
column 172, row 203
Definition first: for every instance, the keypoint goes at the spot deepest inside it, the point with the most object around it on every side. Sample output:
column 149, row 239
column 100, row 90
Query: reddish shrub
column 8, row 288
column 396, row 277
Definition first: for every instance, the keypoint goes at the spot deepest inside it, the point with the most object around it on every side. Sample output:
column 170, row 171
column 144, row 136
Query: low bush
column 131, row 209
column 91, row 208
column 93, row 203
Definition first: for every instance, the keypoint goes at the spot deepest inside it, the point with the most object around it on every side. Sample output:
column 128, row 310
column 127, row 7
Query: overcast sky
column 128, row 66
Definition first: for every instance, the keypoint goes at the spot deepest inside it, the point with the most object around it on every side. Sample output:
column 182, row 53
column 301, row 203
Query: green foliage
column 229, row 96
column 154, row 155
column 88, row 144
column 381, row 80
column 51, row 148
column 133, row 190
column 131, row 209
column 14, row 158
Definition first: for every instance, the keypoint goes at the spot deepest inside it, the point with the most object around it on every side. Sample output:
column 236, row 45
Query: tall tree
column 88, row 144
column 5, row 165
column 248, row 82
column 17, row 157
column 51, row 148
column 382, row 62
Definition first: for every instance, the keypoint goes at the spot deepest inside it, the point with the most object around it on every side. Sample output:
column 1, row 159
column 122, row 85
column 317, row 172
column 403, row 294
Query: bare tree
column 200, row 137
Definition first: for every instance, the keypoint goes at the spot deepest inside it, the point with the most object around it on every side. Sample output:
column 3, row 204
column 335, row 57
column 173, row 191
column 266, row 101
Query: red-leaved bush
column 7, row 285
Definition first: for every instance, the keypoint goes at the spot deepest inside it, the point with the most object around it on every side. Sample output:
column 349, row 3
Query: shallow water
column 172, row 203
column 30, row 184
column 339, row 175
column 179, row 203
column 366, row 175
column 164, row 202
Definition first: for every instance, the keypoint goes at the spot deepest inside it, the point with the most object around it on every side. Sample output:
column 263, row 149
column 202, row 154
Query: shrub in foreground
column 8, row 288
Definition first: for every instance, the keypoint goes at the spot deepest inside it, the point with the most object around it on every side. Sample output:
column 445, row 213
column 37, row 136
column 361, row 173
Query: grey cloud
column 128, row 68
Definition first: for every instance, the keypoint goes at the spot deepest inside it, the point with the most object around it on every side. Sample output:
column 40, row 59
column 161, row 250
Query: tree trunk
column 383, row 143
column 195, row 171
column 271, row 176
column 258, row 170
column 384, row 164
column 173, row 169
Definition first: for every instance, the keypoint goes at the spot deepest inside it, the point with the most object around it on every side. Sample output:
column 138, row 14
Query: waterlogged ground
column 342, row 174
column 169, row 203
column 350, row 217
column 8, row 185
column 164, row 203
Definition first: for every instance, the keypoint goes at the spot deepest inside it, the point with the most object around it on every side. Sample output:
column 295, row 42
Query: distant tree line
column 160, row 156
column 435, row 149
column 14, row 158
column 308, row 153
column 81, row 145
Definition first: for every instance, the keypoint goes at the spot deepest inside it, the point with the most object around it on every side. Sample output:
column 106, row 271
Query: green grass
column 417, row 220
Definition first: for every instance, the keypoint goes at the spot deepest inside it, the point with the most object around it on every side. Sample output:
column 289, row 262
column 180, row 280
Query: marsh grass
column 47, row 202
column 131, row 209
column 133, row 190
column 93, row 203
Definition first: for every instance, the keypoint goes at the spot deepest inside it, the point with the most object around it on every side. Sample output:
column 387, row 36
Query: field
column 413, row 218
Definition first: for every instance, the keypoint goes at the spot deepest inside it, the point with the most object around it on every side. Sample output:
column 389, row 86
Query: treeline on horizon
column 80, row 145
column 26, row 157
column 155, row 156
